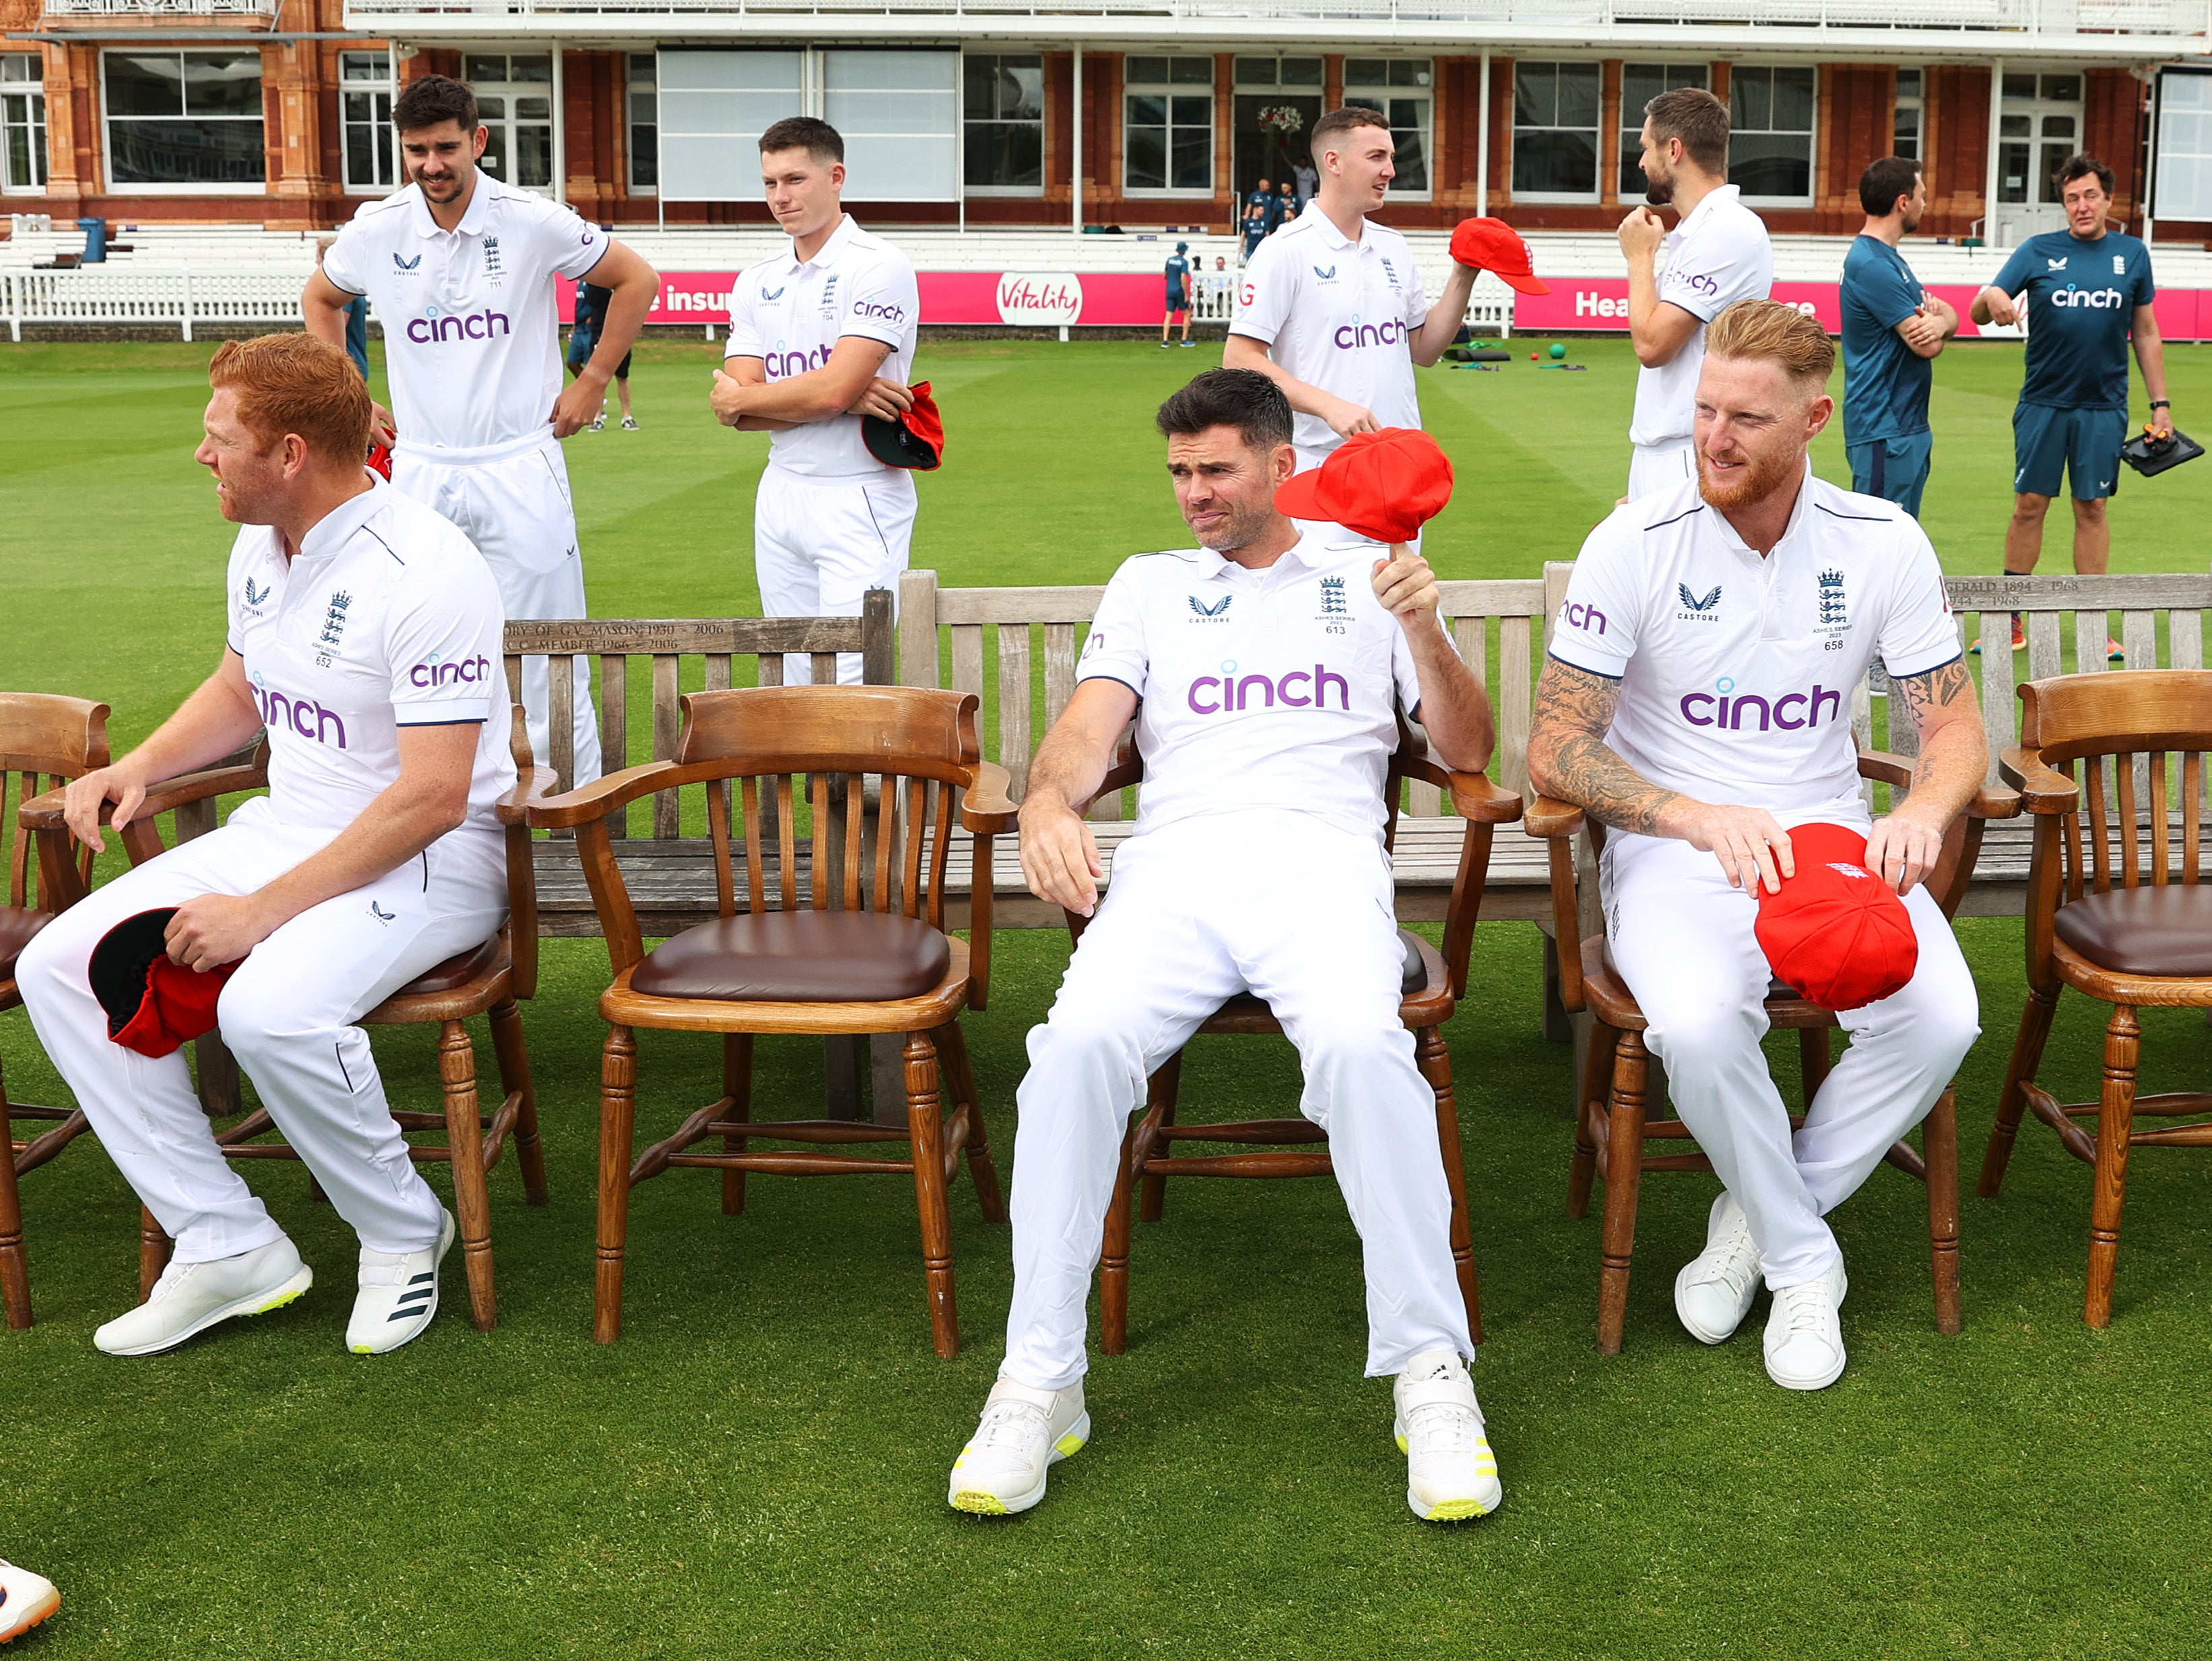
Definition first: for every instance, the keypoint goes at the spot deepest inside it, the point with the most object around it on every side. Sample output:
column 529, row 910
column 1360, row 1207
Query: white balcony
column 130, row 8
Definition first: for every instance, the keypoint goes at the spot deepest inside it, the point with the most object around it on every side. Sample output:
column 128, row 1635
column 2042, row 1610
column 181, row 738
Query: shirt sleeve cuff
column 1920, row 663
column 1252, row 332
column 442, row 712
column 581, row 271
column 884, row 334
column 1132, row 678
column 1575, row 655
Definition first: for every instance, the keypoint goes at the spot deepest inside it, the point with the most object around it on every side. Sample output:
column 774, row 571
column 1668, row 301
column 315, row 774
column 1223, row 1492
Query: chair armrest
column 1994, row 801
column 2045, row 789
column 1474, row 796
column 533, row 789
column 1549, row 817
column 986, row 808
column 44, row 812
column 1886, row 767
column 603, row 795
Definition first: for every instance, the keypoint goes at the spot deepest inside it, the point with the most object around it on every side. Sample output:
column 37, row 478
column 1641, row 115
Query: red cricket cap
column 153, row 1004
column 1385, row 485
column 380, row 461
column 915, row 439
column 1492, row 245
column 1837, row 932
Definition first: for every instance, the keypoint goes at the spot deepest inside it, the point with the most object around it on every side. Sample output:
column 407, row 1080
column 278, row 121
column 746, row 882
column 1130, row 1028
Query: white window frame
column 1918, row 103
column 506, row 91
column 1812, row 134
column 1172, row 90
column 2182, row 186
column 632, row 86
column 1597, row 132
column 1621, row 191
column 35, row 121
column 1362, row 93
column 1030, row 191
column 107, row 124
column 381, row 127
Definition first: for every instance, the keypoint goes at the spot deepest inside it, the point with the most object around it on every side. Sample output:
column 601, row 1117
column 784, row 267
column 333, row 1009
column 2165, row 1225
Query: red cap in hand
column 1492, row 245
column 915, row 439
column 1837, row 932
column 153, row 1004
column 1385, row 485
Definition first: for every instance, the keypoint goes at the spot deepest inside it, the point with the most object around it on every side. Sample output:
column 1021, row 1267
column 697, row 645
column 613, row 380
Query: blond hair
column 297, row 383
column 1765, row 331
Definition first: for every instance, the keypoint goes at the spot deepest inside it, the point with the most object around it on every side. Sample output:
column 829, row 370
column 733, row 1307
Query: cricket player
column 1257, row 865
column 365, row 640
column 1892, row 329
column 1717, row 254
column 1331, row 308
column 461, row 269
column 819, row 338
column 1177, row 272
column 1697, row 703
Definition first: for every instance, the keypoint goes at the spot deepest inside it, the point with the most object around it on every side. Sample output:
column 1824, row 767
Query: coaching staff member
column 1717, row 254
column 365, row 640
column 2085, row 290
column 1257, row 864
column 819, row 337
column 1759, row 584
column 1331, row 307
column 1893, row 327
column 461, row 268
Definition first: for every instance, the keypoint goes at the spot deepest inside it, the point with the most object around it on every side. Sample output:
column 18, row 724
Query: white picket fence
column 138, row 295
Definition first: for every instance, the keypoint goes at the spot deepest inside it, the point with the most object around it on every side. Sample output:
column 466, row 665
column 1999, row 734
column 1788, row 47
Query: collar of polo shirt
column 1798, row 510
column 472, row 218
column 329, row 534
column 1720, row 194
column 1309, row 551
column 839, row 239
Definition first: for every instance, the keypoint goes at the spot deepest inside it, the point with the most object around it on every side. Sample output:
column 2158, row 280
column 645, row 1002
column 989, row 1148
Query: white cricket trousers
column 1660, row 466
column 288, row 1014
column 820, row 544
column 513, row 501
column 1298, row 911
column 1682, row 939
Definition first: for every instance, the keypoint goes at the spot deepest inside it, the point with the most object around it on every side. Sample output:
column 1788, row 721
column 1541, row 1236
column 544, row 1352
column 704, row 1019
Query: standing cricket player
column 461, row 268
column 820, row 338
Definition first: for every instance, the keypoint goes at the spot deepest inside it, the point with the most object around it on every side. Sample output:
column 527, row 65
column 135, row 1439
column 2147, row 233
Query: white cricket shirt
column 472, row 318
column 1260, row 689
column 387, row 617
column 1336, row 314
column 1736, row 671
column 790, row 312
column 1717, row 255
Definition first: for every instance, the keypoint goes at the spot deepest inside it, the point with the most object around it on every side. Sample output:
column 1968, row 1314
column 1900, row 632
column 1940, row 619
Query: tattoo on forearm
column 1567, row 748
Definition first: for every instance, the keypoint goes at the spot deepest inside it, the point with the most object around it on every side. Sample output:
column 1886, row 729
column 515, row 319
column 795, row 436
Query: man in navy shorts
column 1178, row 310
column 1892, row 328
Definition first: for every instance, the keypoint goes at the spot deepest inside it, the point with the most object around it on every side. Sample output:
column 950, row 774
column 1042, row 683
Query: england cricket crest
column 1832, row 616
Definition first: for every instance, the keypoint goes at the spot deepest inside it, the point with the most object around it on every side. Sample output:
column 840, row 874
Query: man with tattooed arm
column 1697, row 703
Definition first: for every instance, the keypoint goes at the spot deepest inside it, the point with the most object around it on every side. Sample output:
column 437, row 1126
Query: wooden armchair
column 2127, row 920
column 866, row 954
column 1611, row 1126
column 1432, row 984
column 53, row 739
column 485, row 981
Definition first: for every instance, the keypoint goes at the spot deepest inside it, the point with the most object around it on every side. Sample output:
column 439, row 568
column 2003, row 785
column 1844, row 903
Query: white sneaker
column 190, row 1297
column 629, row 423
column 25, row 1599
column 1022, row 1433
column 1713, row 1293
column 398, row 1294
column 1804, row 1340
column 1451, row 1474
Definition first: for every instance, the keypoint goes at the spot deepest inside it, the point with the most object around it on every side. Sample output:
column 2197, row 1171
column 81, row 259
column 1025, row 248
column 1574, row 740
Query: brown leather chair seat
column 17, row 926
column 1412, row 976
column 798, row 957
column 2142, row 930
column 456, row 972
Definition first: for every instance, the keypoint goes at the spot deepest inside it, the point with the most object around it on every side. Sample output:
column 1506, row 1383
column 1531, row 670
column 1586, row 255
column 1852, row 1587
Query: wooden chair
column 867, row 954
column 42, row 736
column 2128, row 920
column 1611, row 1126
column 486, row 980
column 1430, row 991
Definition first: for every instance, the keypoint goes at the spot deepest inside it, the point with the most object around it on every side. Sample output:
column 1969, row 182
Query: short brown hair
column 1243, row 398
column 805, row 133
column 1350, row 118
column 296, row 384
column 1699, row 119
column 1769, row 332
column 1884, row 182
column 434, row 100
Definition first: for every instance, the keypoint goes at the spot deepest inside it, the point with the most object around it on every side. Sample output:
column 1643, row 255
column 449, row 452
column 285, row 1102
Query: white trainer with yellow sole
column 1022, row 1433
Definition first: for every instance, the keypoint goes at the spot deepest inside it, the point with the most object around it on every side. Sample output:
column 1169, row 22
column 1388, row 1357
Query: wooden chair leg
column 1939, row 1151
column 1813, row 1061
column 1435, row 1063
column 982, row 1169
column 925, row 1126
column 216, row 1069
column 1624, row 1167
column 457, row 1074
column 154, row 1249
column 2115, row 1107
column 2026, row 1057
column 1114, row 1256
column 737, row 1085
column 1161, row 1091
column 514, row 1057
column 1597, row 1075
column 617, row 1120
column 15, row 1263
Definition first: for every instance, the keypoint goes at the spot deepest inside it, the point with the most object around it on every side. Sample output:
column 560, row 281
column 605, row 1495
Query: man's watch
column 2160, row 404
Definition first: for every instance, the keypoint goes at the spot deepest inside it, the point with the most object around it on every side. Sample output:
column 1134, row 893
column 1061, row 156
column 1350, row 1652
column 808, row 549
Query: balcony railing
column 161, row 8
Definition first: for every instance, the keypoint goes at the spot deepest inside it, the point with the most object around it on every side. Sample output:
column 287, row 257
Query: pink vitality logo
column 1230, row 693
column 1793, row 712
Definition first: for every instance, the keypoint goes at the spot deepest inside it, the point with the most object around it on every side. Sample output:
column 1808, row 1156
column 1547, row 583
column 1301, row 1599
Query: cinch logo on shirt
column 305, row 716
column 1354, row 335
column 467, row 672
column 2103, row 299
column 473, row 325
column 1730, row 712
column 889, row 313
column 1580, row 616
column 1233, row 693
column 780, row 364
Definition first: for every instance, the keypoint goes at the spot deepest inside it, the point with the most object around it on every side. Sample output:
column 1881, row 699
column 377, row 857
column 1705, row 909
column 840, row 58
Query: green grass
column 757, row 1467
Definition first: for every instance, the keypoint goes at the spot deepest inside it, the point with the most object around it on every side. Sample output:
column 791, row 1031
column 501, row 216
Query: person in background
column 1255, row 227
column 1178, row 310
column 592, row 301
column 1219, row 283
column 356, row 319
column 1287, row 205
column 1892, row 328
column 1309, row 181
column 1263, row 199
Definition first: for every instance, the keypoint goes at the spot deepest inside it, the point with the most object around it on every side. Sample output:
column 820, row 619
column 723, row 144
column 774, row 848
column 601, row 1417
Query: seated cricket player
column 365, row 639
column 1697, row 701
column 1265, row 670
